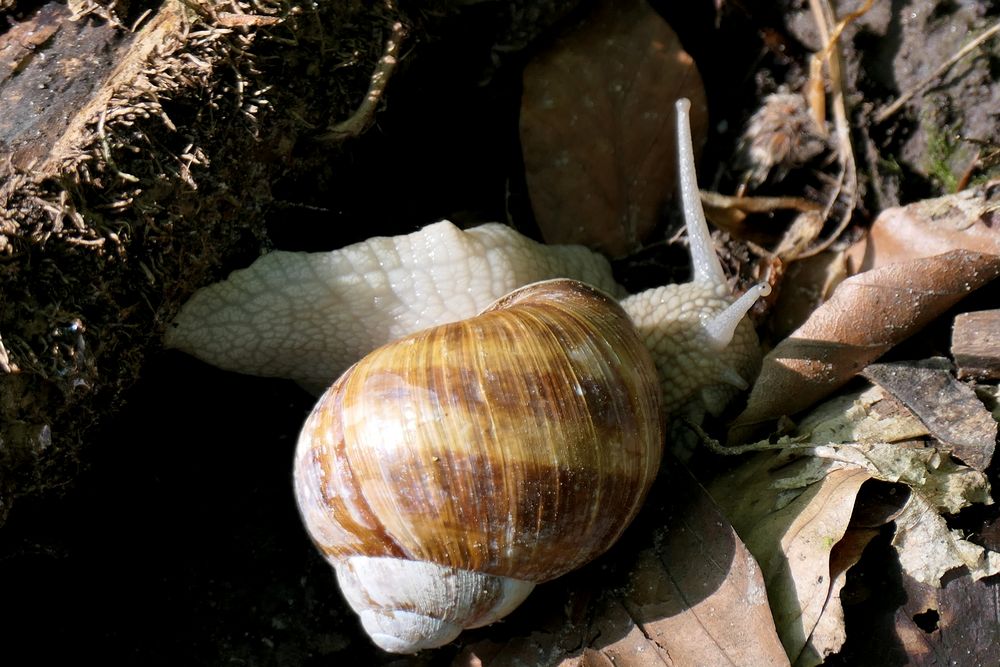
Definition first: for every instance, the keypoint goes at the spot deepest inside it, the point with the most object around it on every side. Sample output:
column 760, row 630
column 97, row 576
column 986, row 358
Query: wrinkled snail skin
column 309, row 316
column 704, row 347
column 478, row 458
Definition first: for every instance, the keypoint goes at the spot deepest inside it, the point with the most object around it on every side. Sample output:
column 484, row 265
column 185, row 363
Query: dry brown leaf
column 791, row 508
column 866, row 316
column 862, row 432
column 774, row 501
column 699, row 595
column 694, row 597
column 869, row 416
column 830, row 631
column 948, row 408
column 597, row 127
column 791, row 524
column 952, row 625
column 968, row 220
column 872, row 431
column 944, row 486
column 923, row 626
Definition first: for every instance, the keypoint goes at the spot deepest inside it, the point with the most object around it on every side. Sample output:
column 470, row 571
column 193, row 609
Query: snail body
column 496, row 452
column 309, row 316
column 448, row 471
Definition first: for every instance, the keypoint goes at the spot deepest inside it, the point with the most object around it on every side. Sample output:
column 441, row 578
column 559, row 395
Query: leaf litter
column 793, row 507
column 694, row 596
column 790, row 522
column 866, row 316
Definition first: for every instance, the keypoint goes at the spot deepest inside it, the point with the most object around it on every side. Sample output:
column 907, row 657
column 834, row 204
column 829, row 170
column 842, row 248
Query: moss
column 942, row 145
column 890, row 165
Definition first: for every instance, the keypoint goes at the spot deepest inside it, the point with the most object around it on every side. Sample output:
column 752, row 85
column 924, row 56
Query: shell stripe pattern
column 459, row 445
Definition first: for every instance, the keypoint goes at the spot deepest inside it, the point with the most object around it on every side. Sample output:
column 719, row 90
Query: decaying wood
column 61, row 74
column 948, row 408
column 133, row 168
column 975, row 344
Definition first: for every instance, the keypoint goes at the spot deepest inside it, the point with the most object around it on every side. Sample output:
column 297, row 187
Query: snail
column 407, row 472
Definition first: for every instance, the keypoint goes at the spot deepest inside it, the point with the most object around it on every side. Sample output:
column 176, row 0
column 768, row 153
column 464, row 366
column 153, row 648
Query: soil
column 154, row 521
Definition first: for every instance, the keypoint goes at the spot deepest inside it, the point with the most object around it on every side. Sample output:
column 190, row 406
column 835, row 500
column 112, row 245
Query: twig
column 717, row 447
column 940, row 71
column 5, row 365
column 363, row 116
column 757, row 204
column 847, row 179
column 824, row 16
column 106, row 149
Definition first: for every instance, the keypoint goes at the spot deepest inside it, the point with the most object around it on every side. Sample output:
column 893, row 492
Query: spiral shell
column 484, row 455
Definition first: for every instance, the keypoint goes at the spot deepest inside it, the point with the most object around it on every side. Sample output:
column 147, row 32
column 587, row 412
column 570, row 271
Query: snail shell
column 445, row 474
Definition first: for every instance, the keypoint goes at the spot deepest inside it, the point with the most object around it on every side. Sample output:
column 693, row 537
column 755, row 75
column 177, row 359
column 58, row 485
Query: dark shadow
column 182, row 544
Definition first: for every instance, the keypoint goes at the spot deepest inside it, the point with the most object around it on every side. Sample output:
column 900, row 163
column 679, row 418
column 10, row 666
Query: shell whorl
column 519, row 443
column 406, row 606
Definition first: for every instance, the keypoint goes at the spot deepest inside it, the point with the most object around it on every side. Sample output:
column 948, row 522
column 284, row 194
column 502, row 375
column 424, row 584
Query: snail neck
column 703, row 346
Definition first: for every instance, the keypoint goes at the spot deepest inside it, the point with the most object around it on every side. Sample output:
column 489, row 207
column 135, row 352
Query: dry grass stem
column 890, row 110
column 847, row 179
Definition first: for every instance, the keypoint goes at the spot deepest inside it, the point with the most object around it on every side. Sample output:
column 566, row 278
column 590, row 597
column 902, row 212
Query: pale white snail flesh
column 308, row 316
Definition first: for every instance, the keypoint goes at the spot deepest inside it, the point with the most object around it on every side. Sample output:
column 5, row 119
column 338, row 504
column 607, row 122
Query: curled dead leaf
column 806, row 284
column 866, row 432
column 597, row 127
column 792, row 514
column 865, row 317
column 928, row 548
column 968, row 220
column 792, row 509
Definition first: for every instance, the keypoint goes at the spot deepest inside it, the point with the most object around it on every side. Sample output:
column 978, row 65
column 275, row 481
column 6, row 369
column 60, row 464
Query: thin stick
column 847, row 179
column 940, row 71
column 365, row 113
column 824, row 16
column 717, row 447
